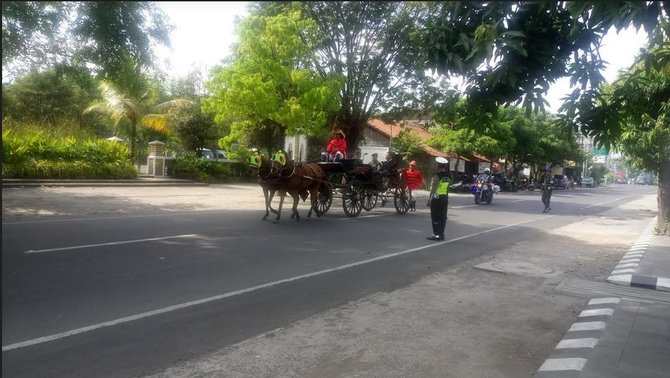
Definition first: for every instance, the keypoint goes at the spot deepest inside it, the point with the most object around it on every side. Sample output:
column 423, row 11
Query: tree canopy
column 511, row 52
column 371, row 45
column 267, row 90
column 40, row 34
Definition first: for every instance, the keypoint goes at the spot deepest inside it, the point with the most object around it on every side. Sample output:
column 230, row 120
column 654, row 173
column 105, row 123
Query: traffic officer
column 438, row 201
column 547, row 188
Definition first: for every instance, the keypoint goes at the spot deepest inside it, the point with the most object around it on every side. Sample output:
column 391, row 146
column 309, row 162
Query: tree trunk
column 353, row 128
column 133, row 143
column 663, row 219
column 458, row 161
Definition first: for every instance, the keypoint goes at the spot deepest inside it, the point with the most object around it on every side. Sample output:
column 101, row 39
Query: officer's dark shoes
column 435, row 237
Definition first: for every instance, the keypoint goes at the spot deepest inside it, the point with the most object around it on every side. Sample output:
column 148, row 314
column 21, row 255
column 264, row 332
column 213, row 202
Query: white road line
column 164, row 310
column 577, row 343
column 599, row 301
column 605, row 203
column 626, row 265
column 623, row 271
column 587, row 326
column 663, row 283
column 596, row 312
column 620, row 279
column 33, row 251
column 560, row 364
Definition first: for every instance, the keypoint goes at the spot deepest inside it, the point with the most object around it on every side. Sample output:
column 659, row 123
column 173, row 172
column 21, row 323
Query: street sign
column 600, row 155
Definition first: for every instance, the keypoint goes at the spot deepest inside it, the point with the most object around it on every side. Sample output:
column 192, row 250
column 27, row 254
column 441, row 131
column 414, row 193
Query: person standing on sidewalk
column 414, row 180
column 438, row 201
column 547, row 188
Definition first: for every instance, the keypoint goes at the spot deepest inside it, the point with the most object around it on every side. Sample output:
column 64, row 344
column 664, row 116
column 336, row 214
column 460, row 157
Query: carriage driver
column 337, row 147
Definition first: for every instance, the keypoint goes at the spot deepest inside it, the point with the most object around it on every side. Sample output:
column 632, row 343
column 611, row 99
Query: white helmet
column 441, row 160
column 487, row 170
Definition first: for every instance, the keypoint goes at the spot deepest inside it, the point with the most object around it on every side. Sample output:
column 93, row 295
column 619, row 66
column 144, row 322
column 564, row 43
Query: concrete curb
column 626, row 272
column 572, row 352
column 142, row 181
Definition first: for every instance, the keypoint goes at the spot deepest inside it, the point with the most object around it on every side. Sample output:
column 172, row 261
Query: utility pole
column 584, row 164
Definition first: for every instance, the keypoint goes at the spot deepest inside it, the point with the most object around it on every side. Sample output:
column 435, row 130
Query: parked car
column 206, row 153
column 220, row 154
column 588, row 182
column 561, row 182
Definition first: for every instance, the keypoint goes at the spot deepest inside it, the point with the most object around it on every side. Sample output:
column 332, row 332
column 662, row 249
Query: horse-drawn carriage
column 360, row 188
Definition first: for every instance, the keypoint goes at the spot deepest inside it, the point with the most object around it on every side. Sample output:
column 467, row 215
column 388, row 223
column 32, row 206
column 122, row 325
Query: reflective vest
column 443, row 183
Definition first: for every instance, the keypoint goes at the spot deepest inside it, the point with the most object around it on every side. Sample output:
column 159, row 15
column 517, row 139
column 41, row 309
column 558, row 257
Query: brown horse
column 298, row 180
column 262, row 166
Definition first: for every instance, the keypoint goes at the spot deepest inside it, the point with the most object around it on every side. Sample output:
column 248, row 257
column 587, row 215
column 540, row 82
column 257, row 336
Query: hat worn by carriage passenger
column 441, row 161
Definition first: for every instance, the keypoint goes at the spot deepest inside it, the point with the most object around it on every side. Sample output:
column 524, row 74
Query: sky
column 205, row 31
column 203, row 35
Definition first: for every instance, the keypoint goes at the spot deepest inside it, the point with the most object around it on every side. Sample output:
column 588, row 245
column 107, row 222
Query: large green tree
column 371, row 45
column 511, row 52
column 193, row 129
column 636, row 109
column 97, row 34
column 47, row 97
column 267, row 91
column 514, row 135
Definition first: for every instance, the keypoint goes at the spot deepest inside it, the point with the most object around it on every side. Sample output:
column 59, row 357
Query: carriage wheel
column 401, row 199
column 352, row 201
column 370, row 200
column 324, row 198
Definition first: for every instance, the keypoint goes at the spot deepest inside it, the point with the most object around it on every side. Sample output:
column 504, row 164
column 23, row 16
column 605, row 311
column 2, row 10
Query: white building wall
column 296, row 146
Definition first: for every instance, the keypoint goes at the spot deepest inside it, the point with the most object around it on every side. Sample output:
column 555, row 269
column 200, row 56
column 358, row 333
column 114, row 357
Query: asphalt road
column 120, row 295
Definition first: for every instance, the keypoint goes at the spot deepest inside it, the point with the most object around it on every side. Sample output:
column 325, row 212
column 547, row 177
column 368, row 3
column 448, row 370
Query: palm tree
column 137, row 110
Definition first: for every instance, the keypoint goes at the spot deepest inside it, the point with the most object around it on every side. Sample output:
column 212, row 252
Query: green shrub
column 34, row 153
column 207, row 170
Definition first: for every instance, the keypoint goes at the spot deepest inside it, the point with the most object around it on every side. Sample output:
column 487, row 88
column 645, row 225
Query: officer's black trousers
column 546, row 198
column 438, row 214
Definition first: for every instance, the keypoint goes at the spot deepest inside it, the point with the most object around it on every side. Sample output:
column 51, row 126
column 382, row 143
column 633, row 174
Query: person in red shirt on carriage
column 414, row 180
column 337, row 147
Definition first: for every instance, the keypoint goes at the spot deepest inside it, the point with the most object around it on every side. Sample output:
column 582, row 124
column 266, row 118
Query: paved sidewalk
column 647, row 263
column 620, row 337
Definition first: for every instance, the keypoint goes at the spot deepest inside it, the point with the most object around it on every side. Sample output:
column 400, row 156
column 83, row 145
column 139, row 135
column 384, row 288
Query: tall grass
column 32, row 151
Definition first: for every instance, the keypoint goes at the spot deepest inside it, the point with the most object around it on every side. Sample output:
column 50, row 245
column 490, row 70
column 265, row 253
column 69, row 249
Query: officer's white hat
column 441, row 161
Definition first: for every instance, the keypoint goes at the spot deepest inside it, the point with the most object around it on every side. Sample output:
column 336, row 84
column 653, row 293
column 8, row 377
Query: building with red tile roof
column 378, row 134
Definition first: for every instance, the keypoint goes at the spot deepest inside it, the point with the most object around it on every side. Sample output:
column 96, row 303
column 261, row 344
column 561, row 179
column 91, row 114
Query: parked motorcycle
column 483, row 192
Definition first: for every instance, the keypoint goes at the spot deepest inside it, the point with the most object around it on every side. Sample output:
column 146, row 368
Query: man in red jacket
column 414, row 180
